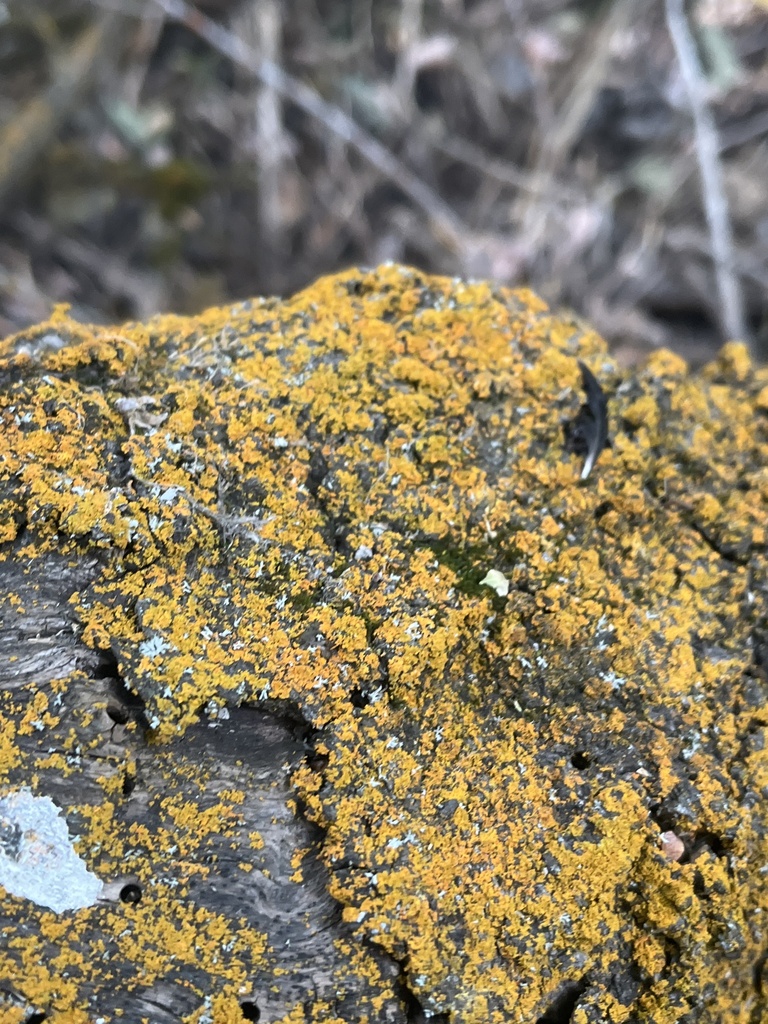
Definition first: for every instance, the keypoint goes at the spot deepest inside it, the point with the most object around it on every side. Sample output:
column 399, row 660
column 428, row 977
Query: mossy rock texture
column 250, row 649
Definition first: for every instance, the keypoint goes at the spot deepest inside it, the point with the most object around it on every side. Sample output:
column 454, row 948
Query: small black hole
column 36, row 1018
column 358, row 698
column 581, row 760
column 317, row 762
column 699, row 888
column 671, row 951
column 757, row 973
column 250, row 1010
column 129, row 784
column 118, row 714
column 107, row 667
column 701, row 840
column 130, row 893
column 564, row 1003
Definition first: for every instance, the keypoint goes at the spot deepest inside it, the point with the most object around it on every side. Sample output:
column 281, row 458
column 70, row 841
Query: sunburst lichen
column 306, row 519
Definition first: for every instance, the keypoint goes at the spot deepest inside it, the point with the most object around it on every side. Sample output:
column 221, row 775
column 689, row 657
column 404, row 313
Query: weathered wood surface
column 99, row 744
column 247, row 650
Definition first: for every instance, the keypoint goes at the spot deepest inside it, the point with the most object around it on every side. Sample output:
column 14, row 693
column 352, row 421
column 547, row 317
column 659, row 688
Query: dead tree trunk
column 367, row 686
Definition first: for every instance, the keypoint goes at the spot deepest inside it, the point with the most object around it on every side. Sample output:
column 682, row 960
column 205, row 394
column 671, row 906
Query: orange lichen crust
column 295, row 503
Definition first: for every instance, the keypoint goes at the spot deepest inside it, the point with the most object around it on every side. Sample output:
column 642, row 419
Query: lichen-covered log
column 252, row 649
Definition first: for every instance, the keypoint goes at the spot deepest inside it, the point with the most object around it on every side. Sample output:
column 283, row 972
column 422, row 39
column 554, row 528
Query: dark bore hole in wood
column 250, row 1010
column 564, row 1004
column 602, row 509
column 758, row 972
column 358, row 698
column 130, row 893
column 581, row 759
column 118, row 714
column 701, row 840
column 107, row 666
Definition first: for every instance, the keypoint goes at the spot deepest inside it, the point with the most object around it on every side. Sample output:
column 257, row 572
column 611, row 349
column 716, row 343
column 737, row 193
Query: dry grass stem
column 731, row 311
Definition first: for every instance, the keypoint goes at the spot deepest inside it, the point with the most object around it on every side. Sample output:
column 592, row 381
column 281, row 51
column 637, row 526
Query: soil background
column 158, row 156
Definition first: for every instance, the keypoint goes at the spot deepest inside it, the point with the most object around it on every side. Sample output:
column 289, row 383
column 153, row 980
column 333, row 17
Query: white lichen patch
column 37, row 858
column 496, row 581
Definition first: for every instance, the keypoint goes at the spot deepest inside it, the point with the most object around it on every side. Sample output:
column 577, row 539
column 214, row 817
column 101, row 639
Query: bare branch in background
column 410, row 29
column 446, row 223
column 139, row 54
column 259, row 25
column 731, row 311
column 270, row 131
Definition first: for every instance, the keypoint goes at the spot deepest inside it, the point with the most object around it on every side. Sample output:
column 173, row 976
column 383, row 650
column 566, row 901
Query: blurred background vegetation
column 157, row 155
